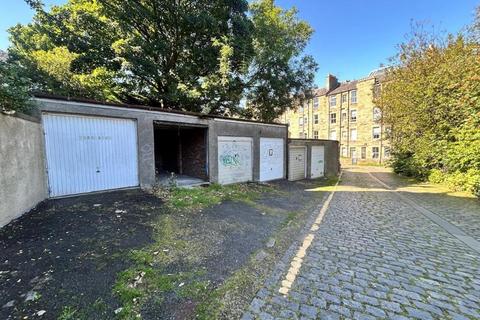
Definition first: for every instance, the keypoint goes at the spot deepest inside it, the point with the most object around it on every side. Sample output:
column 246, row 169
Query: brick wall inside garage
column 194, row 153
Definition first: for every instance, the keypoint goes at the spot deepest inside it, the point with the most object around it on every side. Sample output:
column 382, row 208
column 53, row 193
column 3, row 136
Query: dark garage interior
column 182, row 150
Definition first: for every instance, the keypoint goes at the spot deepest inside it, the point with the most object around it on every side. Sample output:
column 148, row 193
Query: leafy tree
column 182, row 54
column 14, row 88
column 35, row 4
column 68, row 50
column 431, row 98
column 203, row 55
column 280, row 74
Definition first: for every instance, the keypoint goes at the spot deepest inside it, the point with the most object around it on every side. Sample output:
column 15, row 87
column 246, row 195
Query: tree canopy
column 431, row 98
column 204, row 56
column 13, row 88
column 68, row 51
column 279, row 73
column 181, row 54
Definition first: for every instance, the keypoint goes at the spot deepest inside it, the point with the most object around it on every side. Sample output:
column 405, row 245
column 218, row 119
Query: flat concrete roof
column 148, row 108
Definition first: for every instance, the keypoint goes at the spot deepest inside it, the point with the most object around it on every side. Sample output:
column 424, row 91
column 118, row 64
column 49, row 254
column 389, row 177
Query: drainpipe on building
column 311, row 120
column 380, row 158
column 348, row 123
column 286, row 153
column 340, row 124
column 329, row 119
column 380, row 152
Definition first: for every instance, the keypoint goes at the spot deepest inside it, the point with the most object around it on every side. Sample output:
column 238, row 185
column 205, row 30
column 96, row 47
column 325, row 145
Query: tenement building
column 345, row 112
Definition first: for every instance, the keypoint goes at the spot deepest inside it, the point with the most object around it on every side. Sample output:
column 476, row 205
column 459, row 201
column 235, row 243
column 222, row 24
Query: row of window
column 363, row 152
column 333, row 100
column 353, row 98
column 376, row 133
column 377, row 114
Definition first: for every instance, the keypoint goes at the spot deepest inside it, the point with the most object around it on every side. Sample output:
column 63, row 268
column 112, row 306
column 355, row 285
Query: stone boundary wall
column 22, row 166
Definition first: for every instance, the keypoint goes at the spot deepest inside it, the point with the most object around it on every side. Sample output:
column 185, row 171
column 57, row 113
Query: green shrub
column 436, row 176
column 459, row 181
column 406, row 164
column 14, row 88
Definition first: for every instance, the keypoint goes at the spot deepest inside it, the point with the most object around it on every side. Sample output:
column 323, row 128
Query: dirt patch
column 295, row 204
column 125, row 253
column 68, row 252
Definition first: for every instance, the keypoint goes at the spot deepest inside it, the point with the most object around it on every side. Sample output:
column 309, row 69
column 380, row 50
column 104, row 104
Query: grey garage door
column 235, row 159
column 296, row 163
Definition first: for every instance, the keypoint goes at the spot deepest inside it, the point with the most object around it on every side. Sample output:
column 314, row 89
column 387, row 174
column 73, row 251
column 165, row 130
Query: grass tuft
column 68, row 313
column 198, row 198
column 175, row 242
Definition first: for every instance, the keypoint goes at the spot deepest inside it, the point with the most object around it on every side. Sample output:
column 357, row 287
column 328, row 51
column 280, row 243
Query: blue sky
column 16, row 11
column 352, row 37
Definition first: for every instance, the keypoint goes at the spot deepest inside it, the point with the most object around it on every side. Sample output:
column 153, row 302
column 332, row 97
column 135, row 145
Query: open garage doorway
column 180, row 154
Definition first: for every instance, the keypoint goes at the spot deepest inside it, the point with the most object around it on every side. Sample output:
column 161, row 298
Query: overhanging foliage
column 205, row 56
column 431, row 98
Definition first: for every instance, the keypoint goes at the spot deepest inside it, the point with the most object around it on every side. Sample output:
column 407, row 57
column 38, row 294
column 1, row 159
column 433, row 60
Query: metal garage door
column 318, row 161
column 235, row 159
column 296, row 163
column 86, row 154
column 271, row 158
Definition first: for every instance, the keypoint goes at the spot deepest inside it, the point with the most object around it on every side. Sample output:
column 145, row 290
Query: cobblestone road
column 374, row 256
column 460, row 211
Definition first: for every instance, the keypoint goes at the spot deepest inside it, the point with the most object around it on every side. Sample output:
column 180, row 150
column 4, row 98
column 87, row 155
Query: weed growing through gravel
column 227, row 301
column 148, row 275
column 68, row 313
column 198, row 198
column 233, row 296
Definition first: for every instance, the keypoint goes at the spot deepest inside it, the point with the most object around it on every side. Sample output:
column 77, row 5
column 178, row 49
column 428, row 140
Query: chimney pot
column 331, row 83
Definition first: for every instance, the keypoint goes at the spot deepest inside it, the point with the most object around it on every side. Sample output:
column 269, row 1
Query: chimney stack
column 331, row 83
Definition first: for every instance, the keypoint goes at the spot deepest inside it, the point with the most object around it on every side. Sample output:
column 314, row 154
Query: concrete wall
column 332, row 160
column 145, row 118
column 221, row 127
column 22, row 167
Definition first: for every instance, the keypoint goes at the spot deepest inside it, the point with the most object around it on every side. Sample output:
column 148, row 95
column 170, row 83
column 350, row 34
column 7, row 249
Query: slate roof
column 319, row 92
column 378, row 73
column 351, row 85
column 344, row 87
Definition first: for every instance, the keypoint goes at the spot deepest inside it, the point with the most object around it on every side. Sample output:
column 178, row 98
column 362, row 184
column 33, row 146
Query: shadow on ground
column 62, row 259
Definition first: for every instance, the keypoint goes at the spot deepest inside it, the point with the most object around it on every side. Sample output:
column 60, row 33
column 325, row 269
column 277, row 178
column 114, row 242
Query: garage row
column 92, row 146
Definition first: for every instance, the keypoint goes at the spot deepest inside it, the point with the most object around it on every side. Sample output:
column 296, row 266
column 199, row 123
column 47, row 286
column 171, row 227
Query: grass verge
column 148, row 276
column 234, row 296
column 182, row 199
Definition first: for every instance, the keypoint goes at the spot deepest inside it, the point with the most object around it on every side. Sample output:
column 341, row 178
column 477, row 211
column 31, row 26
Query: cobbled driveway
column 375, row 256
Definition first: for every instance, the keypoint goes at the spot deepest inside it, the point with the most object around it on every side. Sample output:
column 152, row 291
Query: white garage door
column 271, row 158
column 86, row 154
column 235, row 159
column 296, row 163
column 318, row 161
